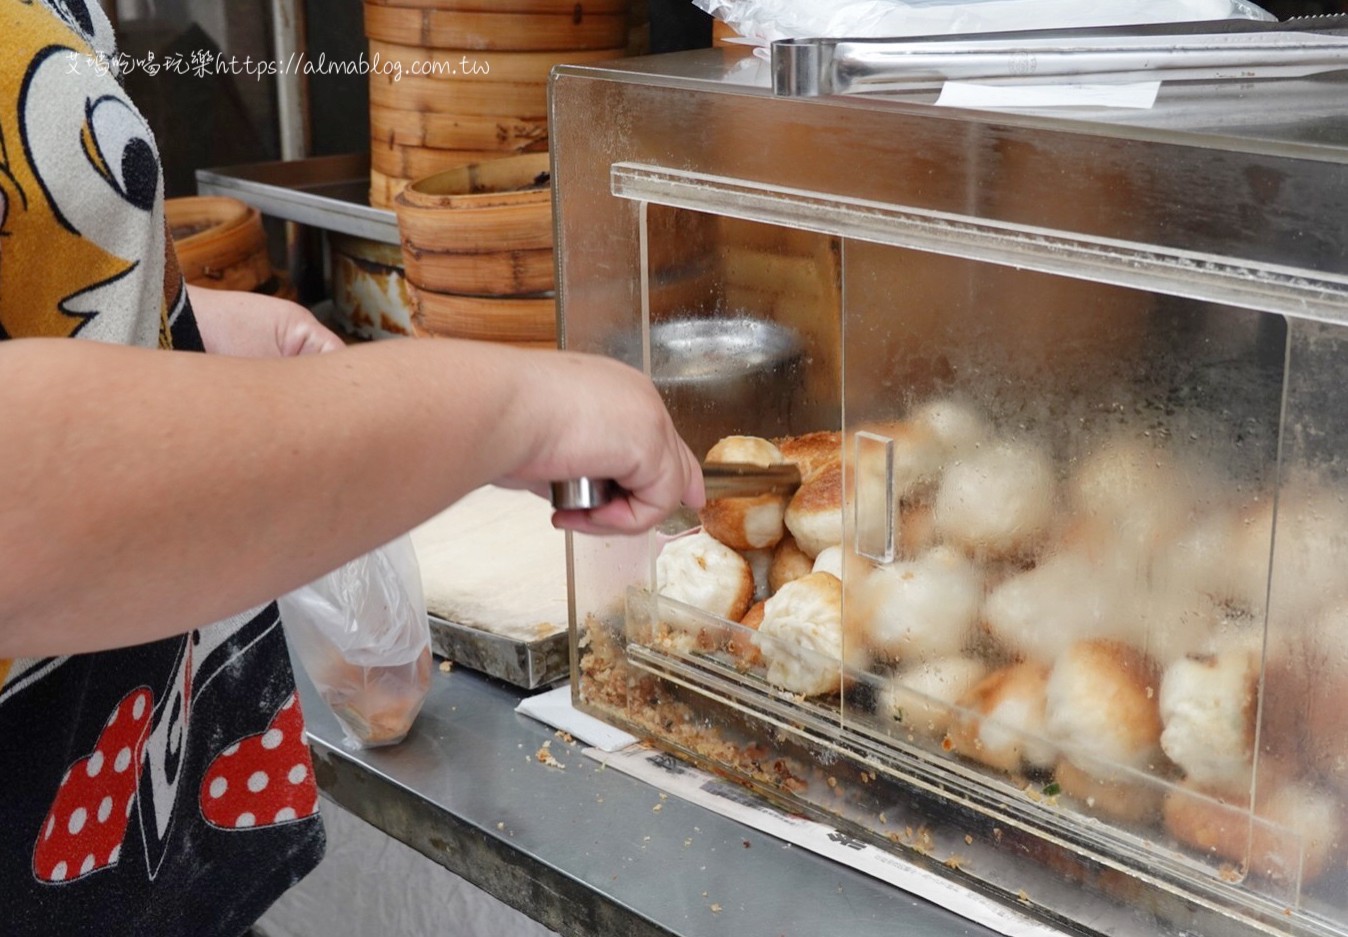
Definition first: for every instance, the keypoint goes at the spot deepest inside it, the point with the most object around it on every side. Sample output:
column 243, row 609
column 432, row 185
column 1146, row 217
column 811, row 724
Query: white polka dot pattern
column 83, row 823
column 243, row 787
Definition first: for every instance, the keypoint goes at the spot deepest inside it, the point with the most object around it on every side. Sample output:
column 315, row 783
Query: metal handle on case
column 581, row 494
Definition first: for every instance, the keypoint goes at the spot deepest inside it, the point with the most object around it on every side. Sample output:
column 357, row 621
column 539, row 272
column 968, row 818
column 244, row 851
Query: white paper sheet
column 731, row 800
column 1139, row 95
column 554, row 708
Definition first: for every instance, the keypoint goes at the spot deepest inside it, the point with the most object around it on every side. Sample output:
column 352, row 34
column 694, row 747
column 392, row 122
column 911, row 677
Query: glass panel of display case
column 1082, row 481
column 1059, row 608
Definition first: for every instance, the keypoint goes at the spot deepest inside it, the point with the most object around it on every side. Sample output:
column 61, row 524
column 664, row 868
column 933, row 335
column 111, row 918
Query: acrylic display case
column 1061, row 606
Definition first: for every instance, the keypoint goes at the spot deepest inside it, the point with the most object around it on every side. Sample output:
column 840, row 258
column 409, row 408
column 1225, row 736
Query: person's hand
column 595, row 417
column 253, row 325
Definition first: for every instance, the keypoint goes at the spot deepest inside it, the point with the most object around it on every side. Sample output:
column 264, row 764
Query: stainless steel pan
column 1210, row 50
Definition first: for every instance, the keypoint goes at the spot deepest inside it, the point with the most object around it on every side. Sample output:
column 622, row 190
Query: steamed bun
column 1100, row 708
column 922, row 697
column 918, row 609
column 1002, row 720
column 1208, row 704
column 745, row 523
column 815, row 514
column 700, row 571
column 801, row 636
column 998, row 501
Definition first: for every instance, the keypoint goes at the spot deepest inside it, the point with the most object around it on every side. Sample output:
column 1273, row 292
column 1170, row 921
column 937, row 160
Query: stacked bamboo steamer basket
column 221, row 244
column 477, row 250
column 486, row 95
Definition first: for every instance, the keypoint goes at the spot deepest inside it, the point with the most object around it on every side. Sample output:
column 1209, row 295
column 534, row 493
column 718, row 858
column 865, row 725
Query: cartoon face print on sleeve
column 82, row 249
column 88, row 19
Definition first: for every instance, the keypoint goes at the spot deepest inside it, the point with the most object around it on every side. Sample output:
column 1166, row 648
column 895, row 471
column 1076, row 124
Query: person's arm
column 147, row 492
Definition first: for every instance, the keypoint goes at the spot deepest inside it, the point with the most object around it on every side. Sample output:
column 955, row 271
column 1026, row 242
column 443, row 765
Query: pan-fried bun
column 745, row 523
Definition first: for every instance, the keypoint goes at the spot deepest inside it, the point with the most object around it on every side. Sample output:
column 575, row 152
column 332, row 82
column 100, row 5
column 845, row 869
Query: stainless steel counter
column 582, row 849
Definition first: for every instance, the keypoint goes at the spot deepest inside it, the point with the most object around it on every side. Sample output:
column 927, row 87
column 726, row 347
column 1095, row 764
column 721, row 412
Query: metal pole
column 292, row 111
column 292, row 89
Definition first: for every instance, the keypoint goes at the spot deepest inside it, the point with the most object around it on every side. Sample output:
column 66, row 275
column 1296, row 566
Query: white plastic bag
column 768, row 20
column 362, row 635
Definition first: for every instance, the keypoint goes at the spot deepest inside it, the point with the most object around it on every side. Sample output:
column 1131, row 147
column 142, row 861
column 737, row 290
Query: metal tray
column 527, row 664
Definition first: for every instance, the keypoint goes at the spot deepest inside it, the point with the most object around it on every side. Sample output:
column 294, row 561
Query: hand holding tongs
column 1208, row 51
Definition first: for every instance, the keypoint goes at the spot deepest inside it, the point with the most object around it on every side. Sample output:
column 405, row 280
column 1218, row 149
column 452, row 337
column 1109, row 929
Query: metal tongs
column 722, row 480
column 1204, row 51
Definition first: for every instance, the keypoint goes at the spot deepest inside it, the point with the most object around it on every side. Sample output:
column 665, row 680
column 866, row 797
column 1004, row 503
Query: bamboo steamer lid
column 442, row 64
column 526, row 226
column 247, row 275
column 220, row 242
column 500, row 205
column 458, row 131
column 503, row 32
column 510, row 180
column 414, row 162
column 487, row 318
column 469, row 96
column 384, row 188
column 193, row 219
column 487, row 273
column 566, row 7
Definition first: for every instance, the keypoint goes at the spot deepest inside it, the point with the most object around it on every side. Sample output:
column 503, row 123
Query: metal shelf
column 327, row 192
